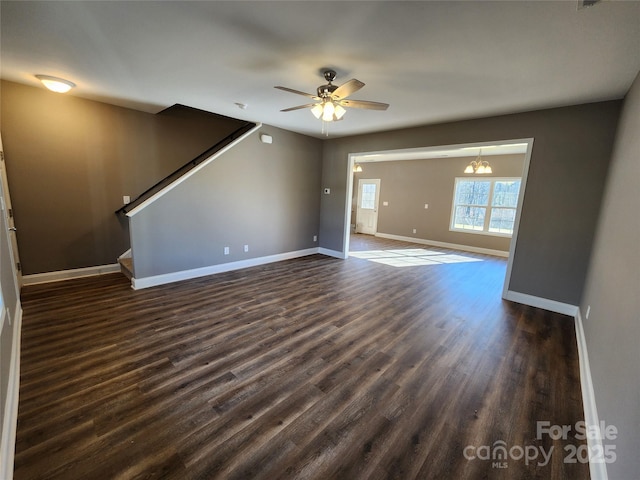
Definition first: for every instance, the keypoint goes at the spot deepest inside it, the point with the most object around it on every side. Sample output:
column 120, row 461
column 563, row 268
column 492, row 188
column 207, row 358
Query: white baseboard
column 10, row 420
column 544, row 303
column 598, row 470
column 69, row 274
column 332, row 253
column 453, row 246
column 153, row 281
column 126, row 254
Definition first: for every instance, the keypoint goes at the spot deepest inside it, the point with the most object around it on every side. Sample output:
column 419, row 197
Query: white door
column 7, row 211
column 10, row 330
column 367, row 207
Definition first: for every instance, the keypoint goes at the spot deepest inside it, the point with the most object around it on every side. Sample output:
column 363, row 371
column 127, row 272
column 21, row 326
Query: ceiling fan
column 330, row 101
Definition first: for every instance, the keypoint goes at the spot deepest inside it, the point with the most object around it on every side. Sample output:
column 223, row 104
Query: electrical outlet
column 315, row 238
column 385, row 204
column 426, row 205
column 226, row 250
column 246, row 248
column 414, row 231
column 126, row 199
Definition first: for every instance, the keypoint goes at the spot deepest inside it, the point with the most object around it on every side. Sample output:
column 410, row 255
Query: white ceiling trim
column 506, row 147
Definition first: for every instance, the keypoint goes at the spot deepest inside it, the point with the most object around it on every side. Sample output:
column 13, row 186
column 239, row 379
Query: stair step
column 126, row 266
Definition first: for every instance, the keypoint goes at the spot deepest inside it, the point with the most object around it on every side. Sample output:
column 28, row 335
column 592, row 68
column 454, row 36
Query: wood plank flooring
column 313, row 368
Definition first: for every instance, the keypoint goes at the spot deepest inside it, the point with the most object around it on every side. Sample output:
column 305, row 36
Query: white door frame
column 361, row 157
column 10, row 318
column 7, row 210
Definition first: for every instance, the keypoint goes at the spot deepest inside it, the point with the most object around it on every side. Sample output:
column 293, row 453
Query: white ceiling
column 431, row 61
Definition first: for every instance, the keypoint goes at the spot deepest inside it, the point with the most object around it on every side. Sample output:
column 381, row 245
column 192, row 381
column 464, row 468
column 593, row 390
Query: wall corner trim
column 597, row 469
column 162, row 279
column 60, row 275
column 193, row 171
column 544, row 303
column 10, row 420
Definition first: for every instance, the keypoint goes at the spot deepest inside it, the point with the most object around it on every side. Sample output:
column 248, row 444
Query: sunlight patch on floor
column 413, row 257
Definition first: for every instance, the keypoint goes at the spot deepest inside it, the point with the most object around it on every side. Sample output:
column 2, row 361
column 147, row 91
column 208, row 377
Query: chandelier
column 478, row 166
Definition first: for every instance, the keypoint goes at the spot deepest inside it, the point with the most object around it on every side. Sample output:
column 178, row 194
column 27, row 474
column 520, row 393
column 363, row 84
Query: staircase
column 172, row 177
column 126, row 259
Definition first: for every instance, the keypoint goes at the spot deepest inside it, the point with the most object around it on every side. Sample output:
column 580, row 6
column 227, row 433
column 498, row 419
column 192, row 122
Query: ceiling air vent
column 587, row 3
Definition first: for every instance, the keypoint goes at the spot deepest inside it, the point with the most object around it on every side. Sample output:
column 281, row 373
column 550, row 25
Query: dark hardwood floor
column 313, row 368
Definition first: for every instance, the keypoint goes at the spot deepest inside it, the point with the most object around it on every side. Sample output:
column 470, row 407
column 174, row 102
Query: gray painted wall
column 612, row 330
column 70, row 161
column 571, row 152
column 408, row 184
column 266, row 196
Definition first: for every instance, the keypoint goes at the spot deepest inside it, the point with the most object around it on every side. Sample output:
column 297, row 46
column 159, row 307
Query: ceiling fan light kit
column 330, row 101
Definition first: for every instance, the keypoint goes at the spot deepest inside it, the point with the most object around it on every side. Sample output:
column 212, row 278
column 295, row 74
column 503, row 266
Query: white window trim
column 487, row 217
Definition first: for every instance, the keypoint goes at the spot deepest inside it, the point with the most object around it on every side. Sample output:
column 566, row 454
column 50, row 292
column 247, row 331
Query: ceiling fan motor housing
column 325, row 91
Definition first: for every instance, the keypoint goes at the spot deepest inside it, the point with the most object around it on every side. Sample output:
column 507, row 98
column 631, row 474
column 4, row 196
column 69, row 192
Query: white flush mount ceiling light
column 55, row 84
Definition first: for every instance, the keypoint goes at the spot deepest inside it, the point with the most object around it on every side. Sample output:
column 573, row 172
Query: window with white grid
column 485, row 205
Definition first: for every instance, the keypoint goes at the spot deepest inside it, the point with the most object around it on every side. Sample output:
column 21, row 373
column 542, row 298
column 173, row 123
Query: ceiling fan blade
column 343, row 91
column 364, row 104
column 299, row 107
column 298, row 92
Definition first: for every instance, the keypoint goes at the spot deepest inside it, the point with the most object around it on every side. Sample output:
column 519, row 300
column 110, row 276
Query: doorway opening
column 521, row 146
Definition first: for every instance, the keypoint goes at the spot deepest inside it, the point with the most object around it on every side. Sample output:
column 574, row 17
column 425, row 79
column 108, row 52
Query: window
column 485, row 205
column 368, row 196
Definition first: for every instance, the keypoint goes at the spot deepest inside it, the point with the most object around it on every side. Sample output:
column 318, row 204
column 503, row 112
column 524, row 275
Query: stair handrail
column 244, row 128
